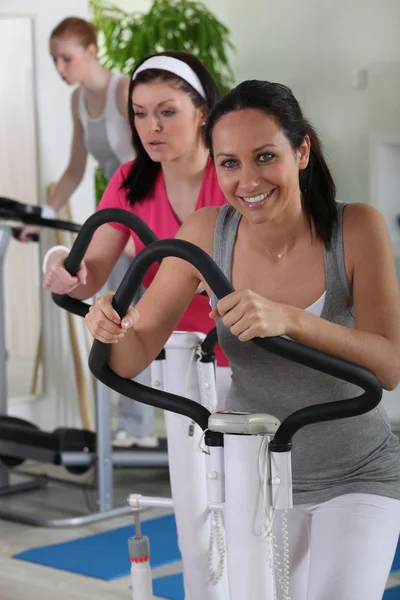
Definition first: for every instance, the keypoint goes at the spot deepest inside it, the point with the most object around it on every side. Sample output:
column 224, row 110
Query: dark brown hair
column 143, row 172
column 277, row 101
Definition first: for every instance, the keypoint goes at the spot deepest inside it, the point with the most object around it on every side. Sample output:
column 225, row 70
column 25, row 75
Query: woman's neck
column 280, row 235
column 97, row 80
column 188, row 168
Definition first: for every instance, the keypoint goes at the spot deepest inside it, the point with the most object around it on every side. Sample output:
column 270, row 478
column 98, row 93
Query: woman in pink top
column 157, row 212
column 172, row 176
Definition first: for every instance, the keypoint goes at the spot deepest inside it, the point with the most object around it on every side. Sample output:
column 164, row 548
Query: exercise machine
column 248, row 455
column 12, row 214
column 236, row 441
column 186, row 367
column 75, row 449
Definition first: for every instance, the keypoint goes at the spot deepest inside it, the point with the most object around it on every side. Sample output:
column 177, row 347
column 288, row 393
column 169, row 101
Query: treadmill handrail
column 18, row 208
column 279, row 346
column 31, row 214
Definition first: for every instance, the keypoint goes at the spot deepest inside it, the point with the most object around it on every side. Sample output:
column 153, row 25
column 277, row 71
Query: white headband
column 173, row 65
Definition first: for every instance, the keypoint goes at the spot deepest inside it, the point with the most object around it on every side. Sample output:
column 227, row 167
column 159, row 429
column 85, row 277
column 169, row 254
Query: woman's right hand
column 104, row 323
column 57, row 279
column 27, row 231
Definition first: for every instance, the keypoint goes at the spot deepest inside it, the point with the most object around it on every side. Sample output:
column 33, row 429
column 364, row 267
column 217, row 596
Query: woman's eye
column 229, row 164
column 265, row 157
column 139, row 115
column 168, row 113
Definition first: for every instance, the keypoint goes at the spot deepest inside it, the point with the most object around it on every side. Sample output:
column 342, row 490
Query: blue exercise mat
column 105, row 555
column 392, row 594
column 396, row 560
column 170, row 587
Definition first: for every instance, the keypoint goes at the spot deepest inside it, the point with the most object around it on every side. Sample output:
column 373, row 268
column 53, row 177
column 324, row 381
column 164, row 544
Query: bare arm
column 75, row 170
column 104, row 250
column 158, row 312
column 375, row 341
column 72, row 175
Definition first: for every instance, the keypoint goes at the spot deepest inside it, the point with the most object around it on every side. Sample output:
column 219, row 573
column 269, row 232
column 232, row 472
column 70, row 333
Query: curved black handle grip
column 78, row 250
column 285, row 348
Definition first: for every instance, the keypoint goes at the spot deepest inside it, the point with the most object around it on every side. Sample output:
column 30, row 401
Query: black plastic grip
column 81, row 244
column 207, row 346
column 16, row 232
column 288, row 349
column 18, row 209
column 31, row 214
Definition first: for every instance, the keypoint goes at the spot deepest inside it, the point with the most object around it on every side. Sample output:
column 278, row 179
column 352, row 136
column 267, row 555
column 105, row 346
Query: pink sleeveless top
column 155, row 210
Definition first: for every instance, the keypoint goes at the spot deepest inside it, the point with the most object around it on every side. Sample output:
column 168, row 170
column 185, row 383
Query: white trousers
column 341, row 549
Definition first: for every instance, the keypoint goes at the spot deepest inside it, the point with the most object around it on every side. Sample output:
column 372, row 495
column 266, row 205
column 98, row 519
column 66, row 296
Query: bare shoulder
column 199, row 228
column 363, row 223
column 365, row 234
column 123, row 85
column 122, row 95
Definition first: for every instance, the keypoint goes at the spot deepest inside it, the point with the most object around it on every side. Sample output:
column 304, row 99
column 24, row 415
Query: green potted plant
column 188, row 25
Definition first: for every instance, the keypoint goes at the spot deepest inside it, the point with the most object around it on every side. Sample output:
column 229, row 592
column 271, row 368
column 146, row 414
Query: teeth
column 258, row 198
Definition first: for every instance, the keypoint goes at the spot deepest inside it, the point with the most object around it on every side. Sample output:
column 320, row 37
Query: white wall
column 312, row 46
column 52, row 97
column 54, row 130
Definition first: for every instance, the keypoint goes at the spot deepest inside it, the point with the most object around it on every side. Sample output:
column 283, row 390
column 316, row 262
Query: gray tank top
column 359, row 454
column 107, row 137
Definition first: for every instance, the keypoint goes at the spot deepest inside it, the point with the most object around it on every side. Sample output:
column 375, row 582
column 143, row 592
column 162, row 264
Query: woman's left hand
column 249, row 315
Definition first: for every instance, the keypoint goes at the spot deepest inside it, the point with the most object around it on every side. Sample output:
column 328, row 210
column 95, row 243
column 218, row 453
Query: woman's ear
column 304, row 153
column 203, row 116
column 92, row 51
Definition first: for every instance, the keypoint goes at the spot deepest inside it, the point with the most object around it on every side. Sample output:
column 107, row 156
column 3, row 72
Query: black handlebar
column 281, row 347
column 16, row 232
column 208, row 344
column 31, row 214
column 78, row 250
column 18, row 209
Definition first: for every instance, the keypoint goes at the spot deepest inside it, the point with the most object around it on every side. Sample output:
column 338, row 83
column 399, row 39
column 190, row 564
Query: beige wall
column 18, row 180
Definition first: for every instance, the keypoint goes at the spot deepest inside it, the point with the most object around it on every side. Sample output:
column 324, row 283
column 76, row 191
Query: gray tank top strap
column 111, row 102
column 339, row 300
column 82, row 113
column 225, row 233
column 337, row 249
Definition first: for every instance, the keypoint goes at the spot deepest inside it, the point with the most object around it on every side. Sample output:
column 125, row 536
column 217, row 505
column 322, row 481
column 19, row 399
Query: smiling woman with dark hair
column 321, row 273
